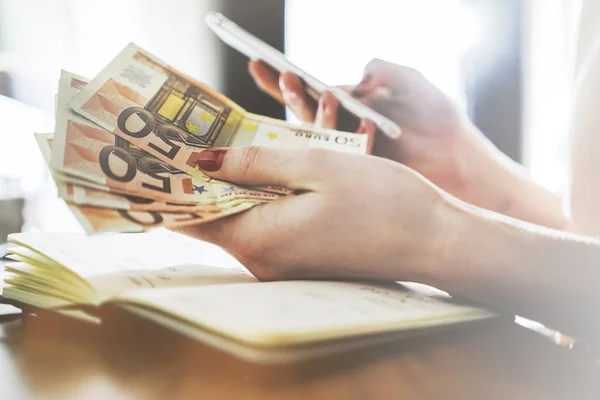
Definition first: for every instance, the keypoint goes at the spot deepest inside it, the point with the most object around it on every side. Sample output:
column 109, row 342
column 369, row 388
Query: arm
column 365, row 217
column 438, row 140
column 497, row 183
column 546, row 275
column 585, row 127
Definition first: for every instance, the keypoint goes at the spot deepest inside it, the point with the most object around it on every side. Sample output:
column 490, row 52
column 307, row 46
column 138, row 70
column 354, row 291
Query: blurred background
column 504, row 61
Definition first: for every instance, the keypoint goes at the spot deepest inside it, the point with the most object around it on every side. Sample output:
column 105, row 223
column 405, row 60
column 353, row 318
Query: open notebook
column 163, row 277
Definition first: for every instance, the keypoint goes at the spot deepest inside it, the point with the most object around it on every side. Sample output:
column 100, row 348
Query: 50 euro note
column 84, row 150
column 173, row 117
column 128, row 218
column 98, row 219
column 78, row 191
column 81, row 195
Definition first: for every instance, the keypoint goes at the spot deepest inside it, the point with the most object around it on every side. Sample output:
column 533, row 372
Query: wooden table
column 51, row 357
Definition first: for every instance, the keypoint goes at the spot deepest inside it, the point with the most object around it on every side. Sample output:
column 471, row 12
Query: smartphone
column 351, row 110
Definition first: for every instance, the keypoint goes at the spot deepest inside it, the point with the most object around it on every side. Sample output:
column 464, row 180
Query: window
column 333, row 40
column 549, row 46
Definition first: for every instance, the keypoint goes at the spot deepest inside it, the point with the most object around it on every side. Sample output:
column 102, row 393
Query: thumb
column 383, row 74
column 258, row 166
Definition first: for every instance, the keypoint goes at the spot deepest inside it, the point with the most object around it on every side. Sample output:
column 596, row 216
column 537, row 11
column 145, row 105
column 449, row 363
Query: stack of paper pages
column 166, row 278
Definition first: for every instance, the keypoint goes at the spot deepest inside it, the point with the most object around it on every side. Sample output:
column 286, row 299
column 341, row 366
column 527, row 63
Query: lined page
column 95, row 255
column 294, row 312
column 181, row 275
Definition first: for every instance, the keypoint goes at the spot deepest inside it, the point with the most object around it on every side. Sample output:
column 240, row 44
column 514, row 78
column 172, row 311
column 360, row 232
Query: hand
column 341, row 222
column 437, row 140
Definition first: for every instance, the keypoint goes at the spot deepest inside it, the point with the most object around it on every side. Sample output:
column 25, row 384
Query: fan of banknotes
column 125, row 147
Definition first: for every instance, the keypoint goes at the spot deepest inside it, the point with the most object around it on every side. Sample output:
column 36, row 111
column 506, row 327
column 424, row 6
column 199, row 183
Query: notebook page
column 181, row 275
column 95, row 255
column 294, row 312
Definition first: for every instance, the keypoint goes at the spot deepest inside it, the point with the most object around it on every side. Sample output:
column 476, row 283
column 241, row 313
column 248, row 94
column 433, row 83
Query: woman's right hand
column 437, row 140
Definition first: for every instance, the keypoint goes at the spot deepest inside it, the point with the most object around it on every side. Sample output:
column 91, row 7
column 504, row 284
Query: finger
column 295, row 97
column 368, row 127
column 366, row 97
column 247, row 235
column 266, row 78
column 295, row 169
column 211, row 232
column 219, row 231
column 230, row 232
column 379, row 73
column 327, row 111
column 347, row 88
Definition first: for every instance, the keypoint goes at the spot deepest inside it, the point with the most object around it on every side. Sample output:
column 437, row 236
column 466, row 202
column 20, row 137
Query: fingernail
column 325, row 104
column 365, row 126
column 366, row 79
column 290, row 97
column 252, row 69
column 359, row 90
column 362, row 128
column 211, row 159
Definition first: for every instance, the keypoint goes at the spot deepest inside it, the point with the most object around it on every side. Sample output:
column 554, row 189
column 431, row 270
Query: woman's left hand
column 351, row 216
column 438, row 141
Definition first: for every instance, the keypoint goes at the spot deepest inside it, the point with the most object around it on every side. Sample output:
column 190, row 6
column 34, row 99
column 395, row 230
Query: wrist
column 499, row 184
column 519, row 268
column 463, row 232
column 452, row 226
column 487, row 172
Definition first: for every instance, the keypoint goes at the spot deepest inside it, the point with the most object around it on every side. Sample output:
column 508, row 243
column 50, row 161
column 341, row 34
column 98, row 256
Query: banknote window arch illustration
column 198, row 118
column 154, row 167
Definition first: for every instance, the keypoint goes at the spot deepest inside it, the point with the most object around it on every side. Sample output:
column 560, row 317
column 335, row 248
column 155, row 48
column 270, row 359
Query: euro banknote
column 158, row 109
